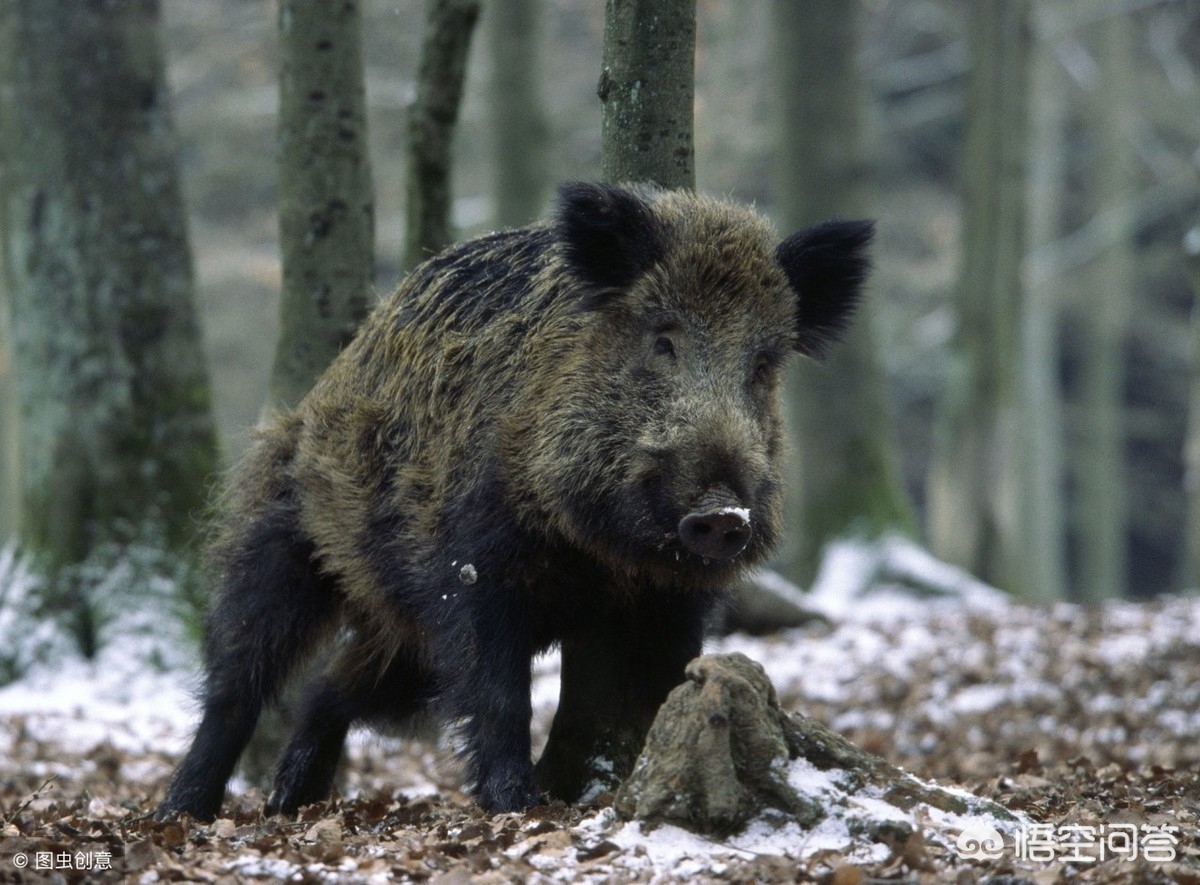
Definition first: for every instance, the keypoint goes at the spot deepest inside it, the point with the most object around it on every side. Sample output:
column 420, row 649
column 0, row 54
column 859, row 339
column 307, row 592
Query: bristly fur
column 504, row 459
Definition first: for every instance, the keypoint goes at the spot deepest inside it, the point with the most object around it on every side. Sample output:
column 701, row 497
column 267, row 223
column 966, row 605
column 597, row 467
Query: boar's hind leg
column 346, row 691
column 272, row 611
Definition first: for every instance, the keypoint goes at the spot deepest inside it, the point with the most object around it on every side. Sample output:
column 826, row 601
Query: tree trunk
column 1041, row 468
column 326, row 202
column 646, row 89
column 1100, row 468
column 651, row 46
column 973, row 502
column 721, row 753
column 844, row 479
column 1190, row 578
column 431, row 121
column 518, row 121
column 10, row 467
column 117, row 437
column 326, row 233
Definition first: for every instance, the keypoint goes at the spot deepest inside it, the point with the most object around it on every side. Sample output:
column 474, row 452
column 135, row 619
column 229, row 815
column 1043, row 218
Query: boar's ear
column 826, row 266
column 608, row 234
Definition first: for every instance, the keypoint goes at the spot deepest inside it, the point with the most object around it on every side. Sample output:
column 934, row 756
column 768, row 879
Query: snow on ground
column 913, row 660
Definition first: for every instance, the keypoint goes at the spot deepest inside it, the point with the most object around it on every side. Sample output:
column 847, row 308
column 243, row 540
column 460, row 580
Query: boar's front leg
column 615, row 675
column 490, row 689
column 478, row 612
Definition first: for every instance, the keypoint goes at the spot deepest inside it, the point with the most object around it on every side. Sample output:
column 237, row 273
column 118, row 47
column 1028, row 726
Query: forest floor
column 1086, row 720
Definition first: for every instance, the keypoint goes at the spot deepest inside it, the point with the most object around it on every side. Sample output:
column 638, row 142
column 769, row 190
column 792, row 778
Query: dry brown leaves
column 1063, row 757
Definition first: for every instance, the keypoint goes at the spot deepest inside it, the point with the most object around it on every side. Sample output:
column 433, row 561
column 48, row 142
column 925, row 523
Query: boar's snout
column 716, row 529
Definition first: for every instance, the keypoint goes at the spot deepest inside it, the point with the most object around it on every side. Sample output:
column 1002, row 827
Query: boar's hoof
column 514, row 792
column 716, row 534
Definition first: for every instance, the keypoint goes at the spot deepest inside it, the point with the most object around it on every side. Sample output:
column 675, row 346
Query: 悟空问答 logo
column 980, row 842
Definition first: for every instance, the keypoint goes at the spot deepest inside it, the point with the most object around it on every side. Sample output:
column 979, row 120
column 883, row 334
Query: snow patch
column 741, row 513
column 886, row 625
column 135, row 694
column 26, row 638
column 892, row 578
column 605, row 771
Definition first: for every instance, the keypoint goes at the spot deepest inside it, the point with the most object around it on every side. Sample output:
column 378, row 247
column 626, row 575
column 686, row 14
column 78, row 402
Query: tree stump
column 722, row 752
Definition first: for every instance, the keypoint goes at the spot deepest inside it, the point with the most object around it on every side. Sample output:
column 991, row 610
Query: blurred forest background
column 1025, row 375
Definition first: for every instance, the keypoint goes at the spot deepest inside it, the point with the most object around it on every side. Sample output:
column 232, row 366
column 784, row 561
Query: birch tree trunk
column 844, row 479
column 972, row 493
column 326, row 200
column 117, row 438
column 432, row 118
column 518, row 120
column 647, row 87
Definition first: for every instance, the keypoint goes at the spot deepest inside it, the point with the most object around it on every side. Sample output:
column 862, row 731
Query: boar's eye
column 764, row 368
column 664, row 346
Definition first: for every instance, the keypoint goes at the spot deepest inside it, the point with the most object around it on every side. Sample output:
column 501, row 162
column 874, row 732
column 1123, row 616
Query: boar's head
column 660, row 437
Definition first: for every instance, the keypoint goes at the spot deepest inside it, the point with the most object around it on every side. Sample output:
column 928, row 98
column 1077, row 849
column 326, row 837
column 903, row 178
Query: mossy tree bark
column 720, row 751
column 845, row 477
column 972, row 491
column 518, row 120
column 646, row 89
column 326, row 200
column 431, row 121
column 117, row 436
